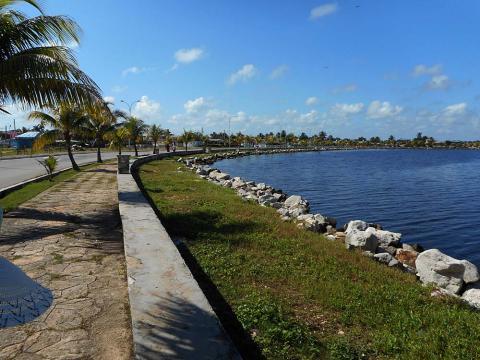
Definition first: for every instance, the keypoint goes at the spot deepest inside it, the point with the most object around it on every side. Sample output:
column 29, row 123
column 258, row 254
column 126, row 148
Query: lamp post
column 229, row 133
column 130, row 111
column 130, row 105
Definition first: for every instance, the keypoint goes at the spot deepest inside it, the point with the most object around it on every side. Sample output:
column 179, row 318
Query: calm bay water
column 430, row 196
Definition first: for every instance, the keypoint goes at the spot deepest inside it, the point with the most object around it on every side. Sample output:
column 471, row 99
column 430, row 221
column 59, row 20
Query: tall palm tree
column 100, row 122
column 66, row 121
column 187, row 137
column 37, row 68
column 136, row 128
column 117, row 138
column 155, row 133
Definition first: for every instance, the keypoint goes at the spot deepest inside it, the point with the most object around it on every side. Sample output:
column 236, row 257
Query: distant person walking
column 167, row 147
column 174, row 148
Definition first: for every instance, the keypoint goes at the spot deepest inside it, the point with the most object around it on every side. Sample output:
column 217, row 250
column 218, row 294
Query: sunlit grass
column 299, row 294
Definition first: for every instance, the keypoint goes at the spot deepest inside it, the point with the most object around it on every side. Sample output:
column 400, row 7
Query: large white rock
column 364, row 240
column 238, row 183
column 222, row 176
column 386, row 258
column 266, row 200
column 356, row 225
column 387, row 238
column 213, row 174
column 434, row 267
column 295, row 200
column 472, row 297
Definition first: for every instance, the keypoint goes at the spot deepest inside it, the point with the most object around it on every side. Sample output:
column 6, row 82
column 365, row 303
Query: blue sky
column 352, row 68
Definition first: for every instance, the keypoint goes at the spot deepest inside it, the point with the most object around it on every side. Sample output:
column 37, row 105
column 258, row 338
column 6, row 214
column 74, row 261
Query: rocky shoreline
column 450, row 276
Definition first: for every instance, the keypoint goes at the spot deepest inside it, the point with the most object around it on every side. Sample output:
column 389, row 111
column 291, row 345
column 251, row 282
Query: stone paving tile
column 69, row 239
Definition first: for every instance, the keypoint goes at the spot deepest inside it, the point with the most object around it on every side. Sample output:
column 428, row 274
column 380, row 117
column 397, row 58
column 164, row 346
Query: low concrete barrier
column 171, row 317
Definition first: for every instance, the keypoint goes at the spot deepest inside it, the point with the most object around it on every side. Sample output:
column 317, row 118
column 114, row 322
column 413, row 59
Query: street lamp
column 229, row 133
column 130, row 105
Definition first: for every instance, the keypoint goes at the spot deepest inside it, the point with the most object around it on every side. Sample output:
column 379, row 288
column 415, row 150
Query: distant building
column 25, row 140
column 195, row 143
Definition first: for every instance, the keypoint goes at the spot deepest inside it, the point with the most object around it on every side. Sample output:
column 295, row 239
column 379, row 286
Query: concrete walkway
column 171, row 316
column 69, row 239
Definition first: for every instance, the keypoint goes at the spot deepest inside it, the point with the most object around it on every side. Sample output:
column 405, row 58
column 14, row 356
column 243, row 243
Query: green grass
column 298, row 295
column 12, row 200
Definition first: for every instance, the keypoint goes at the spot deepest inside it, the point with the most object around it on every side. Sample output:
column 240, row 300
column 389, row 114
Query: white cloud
column 312, row 100
column 132, row 70
column 323, row 10
column 187, row 56
column 379, row 110
column 278, row 72
column 147, row 109
column 109, row 99
column 308, row 118
column 455, row 109
column 245, row 73
column 196, row 105
column 421, row 69
column 439, row 82
column 343, row 110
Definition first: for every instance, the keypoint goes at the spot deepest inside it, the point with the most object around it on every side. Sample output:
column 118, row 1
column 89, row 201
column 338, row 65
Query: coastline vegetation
column 299, row 295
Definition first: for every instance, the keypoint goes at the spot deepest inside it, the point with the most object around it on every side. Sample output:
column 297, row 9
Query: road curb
column 171, row 316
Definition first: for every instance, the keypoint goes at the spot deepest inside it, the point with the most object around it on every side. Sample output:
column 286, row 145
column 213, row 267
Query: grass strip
column 14, row 199
column 298, row 295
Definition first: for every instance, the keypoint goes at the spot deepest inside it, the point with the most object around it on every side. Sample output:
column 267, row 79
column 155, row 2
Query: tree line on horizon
column 39, row 70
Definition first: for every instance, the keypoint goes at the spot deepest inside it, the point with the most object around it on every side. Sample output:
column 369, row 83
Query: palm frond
column 47, row 138
column 44, row 118
column 9, row 3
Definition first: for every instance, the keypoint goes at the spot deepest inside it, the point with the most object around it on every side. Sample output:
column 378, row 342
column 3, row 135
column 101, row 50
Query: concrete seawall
column 171, row 317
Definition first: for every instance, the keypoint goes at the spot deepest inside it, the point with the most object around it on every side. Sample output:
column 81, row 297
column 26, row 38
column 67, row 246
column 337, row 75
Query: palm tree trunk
column 120, row 150
column 154, row 147
column 135, row 147
column 70, row 154
column 99, row 154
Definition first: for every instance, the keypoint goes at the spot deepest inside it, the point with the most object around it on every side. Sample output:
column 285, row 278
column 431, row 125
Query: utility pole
column 130, row 105
column 130, row 111
column 229, row 133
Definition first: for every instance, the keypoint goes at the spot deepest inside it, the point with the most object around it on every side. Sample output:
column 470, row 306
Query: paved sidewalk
column 69, row 239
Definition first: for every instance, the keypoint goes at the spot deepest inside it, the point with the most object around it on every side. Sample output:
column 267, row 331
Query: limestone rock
column 407, row 257
column 386, row 259
column 392, row 250
column 387, row 238
column 472, row 297
column 444, row 271
column 295, row 200
column 356, row 225
column 364, row 240
column 222, row 176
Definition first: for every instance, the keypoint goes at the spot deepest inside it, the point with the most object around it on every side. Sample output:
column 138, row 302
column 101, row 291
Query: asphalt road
column 14, row 171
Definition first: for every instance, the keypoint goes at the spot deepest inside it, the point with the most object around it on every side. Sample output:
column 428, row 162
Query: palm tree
column 155, row 134
column 37, row 67
column 136, row 128
column 66, row 121
column 187, row 137
column 100, row 122
column 117, row 138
